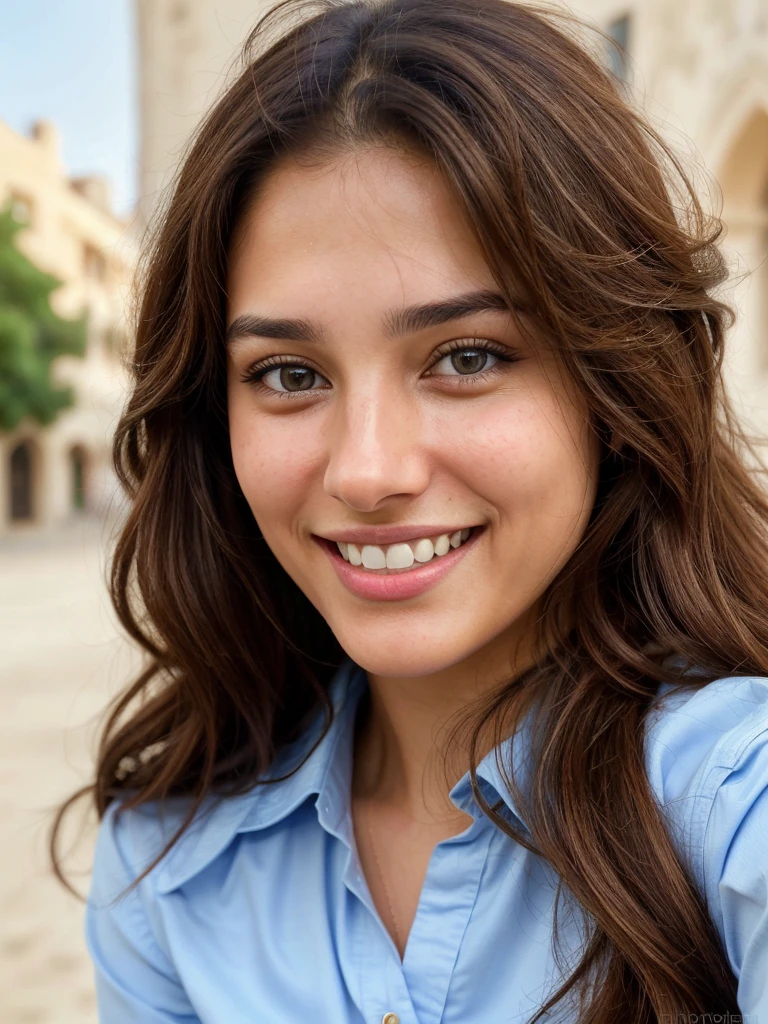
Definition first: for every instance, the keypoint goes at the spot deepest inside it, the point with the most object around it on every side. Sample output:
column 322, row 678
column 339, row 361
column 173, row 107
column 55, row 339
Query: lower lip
column 397, row 586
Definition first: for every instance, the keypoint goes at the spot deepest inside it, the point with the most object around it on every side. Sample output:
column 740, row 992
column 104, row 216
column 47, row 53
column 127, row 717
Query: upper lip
column 388, row 534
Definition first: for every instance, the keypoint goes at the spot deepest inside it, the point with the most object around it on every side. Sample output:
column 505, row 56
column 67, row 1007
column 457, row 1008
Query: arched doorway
column 78, row 474
column 743, row 176
column 21, row 466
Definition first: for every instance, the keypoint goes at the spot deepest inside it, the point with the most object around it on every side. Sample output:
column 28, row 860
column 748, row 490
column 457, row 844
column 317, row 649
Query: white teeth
column 423, row 550
column 373, row 557
column 354, row 554
column 403, row 555
column 442, row 544
column 399, row 556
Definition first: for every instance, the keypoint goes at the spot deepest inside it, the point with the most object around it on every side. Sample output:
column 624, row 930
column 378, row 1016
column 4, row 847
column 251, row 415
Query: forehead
column 376, row 218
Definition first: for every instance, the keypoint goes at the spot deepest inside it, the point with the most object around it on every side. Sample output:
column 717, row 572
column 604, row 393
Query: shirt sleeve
column 736, row 872
column 135, row 980
column 707, row 760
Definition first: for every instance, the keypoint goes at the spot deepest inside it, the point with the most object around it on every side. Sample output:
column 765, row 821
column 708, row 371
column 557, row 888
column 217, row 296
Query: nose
column 376, row 451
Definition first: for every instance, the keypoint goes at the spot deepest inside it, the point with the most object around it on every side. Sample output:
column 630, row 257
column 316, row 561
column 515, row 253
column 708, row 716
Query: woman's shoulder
column 696, row 734
column 136, row 841
column 176, row 839
column 707, row 761
column 165, row 844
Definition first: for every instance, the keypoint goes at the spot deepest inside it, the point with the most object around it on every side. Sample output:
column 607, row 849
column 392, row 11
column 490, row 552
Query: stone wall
column 48, row 475
column 698, row 67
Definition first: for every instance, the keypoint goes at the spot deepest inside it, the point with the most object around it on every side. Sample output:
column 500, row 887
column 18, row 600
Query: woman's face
column 380, row 395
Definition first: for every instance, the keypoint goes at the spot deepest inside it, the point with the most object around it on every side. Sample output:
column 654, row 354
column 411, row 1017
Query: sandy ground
column 61, row 659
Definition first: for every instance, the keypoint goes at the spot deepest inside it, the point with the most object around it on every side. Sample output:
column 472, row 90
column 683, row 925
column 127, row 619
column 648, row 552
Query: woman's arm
column 135, row 980
column 736, row 873
column 708, row 767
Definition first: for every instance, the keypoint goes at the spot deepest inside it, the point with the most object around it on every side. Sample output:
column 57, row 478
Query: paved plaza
column 61, row 659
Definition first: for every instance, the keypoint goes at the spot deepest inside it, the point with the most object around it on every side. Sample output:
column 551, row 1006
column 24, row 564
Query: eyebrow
column 396, row 323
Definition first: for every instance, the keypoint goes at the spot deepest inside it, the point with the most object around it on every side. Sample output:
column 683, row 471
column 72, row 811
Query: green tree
column 31, row 336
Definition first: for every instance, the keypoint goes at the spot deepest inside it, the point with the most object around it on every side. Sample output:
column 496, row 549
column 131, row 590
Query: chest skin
column 394, row 853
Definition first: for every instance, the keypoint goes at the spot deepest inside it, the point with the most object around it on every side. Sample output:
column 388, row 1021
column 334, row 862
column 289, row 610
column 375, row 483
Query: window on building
column 619, row 31
column 94, row 263
column 21, row 478
column 21, row 208
column 77, row 464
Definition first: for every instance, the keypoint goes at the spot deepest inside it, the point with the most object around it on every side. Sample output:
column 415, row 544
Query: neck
column 403, row 727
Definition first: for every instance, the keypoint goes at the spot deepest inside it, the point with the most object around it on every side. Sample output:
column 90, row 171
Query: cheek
column 530, row 454
column 274, row 458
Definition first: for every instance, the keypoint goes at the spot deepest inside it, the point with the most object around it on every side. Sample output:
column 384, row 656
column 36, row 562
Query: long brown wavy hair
column 573, row 194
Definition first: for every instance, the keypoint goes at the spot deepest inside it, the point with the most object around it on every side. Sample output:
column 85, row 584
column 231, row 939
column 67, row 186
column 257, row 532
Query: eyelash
column 254, row 374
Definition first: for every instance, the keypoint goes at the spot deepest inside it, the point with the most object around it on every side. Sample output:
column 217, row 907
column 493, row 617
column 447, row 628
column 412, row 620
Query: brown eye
column 285, row 378
column 296, row 378
column 469, row 360
column 288, row 378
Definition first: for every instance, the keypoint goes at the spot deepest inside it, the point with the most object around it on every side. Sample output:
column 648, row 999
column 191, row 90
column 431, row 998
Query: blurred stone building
column 50, row 474
column 699, row 67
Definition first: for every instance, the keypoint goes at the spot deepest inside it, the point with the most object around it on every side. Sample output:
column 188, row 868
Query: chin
column 401, row 666
column 405, row 658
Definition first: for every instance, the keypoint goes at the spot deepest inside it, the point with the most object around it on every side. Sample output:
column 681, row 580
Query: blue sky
column 73, row 61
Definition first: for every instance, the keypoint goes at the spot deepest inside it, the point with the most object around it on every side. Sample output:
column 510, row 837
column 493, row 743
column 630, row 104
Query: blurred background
column 97, row 99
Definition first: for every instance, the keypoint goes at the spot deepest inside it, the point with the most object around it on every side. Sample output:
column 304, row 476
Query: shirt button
column 390, row 1018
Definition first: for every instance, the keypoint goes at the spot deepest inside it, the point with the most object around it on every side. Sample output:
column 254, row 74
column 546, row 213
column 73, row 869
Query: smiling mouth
column 405, row 557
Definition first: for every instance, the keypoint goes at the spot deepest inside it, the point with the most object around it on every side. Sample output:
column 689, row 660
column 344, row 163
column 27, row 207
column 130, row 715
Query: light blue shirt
column 261, row 914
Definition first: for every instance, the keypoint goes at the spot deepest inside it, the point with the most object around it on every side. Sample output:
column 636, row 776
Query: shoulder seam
column 126, row 852
column 725, row 770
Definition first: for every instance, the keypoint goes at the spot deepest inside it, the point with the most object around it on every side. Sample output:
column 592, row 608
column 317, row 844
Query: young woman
column 452, row 580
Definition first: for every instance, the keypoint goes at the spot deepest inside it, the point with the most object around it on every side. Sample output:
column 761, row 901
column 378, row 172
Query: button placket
column 447, row 900
column 382, row 985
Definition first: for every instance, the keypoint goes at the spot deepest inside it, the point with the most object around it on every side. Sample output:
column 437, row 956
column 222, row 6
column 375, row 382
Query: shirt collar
column 221, row 819
column 326, row 772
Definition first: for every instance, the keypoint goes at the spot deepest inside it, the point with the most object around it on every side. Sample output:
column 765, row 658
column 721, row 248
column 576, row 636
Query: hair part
column 574, row 196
